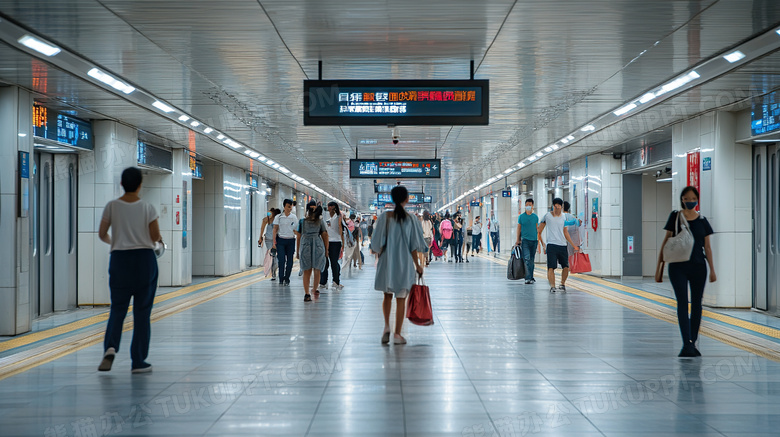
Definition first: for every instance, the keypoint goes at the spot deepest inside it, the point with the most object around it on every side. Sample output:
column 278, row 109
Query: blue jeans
column 458, row 245
column 476, row 242
column 496, row 242
column 285, row 251
column 131, row 273
column 529, row 254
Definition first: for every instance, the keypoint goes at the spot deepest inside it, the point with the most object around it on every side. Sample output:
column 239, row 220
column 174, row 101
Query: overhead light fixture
column 570, row 138
column 677, row 83
column 646, row 98
column 777, row 31
column 162, row 106
column 269, row 162
column 283, row 170
column 22, row 135
column 262, row 158
column 115, row 83
column 208, row 130
column 195, row 123
column 554, row 146
column 520, row 164
column 508, row 171
column 220, row 137
column 625, row 109
column 531, row 158
column 276, row 166
column 565, row 141
column 548, row 149
column 734, row 56
column 588, row 128
column 184, row 118
column 39, row 45
column 539, row 154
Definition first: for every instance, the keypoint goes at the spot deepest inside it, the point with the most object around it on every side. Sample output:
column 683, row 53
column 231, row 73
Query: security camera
column 396, row 135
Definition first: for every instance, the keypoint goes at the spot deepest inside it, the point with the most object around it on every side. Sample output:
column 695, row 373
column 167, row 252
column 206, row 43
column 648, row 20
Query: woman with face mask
column 267, row 236
column 693, row 271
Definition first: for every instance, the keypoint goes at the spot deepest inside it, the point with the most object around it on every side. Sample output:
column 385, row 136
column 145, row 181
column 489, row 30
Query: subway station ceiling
column 239, row 66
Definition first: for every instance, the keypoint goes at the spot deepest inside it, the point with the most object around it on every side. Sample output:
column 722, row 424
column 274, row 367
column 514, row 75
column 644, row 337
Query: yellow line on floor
column 750, row 326
column 33, row 337
column 61, row 348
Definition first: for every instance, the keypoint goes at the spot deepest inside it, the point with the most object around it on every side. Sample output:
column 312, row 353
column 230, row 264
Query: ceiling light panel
column 734, row 56
column 39, row 45
column 111, row 81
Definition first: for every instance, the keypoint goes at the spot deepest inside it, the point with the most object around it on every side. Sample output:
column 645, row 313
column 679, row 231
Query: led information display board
column 384, row 198
column 383, row 188
column 416, row 198
column 395, row 102
column 765, row 114
column 154, row 157
column 62, row 128
column 427, row 199
column 407, row 168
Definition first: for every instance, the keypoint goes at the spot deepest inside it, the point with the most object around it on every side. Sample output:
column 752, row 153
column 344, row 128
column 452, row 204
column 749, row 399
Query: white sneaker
column 108, row 360
column 336, row 286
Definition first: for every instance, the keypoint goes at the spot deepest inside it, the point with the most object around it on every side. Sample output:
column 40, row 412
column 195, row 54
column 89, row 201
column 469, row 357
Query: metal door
column 249, row 198
column 759, row 227
column 773, row 228
column 65, row 231
column 45, row 222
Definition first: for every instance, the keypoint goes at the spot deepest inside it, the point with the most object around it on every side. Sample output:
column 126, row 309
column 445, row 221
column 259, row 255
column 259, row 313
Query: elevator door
column 44, row 223
column 766, row 229
column 54, row 232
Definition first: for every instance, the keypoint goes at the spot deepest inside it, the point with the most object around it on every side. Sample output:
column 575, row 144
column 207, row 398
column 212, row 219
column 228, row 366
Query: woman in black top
column 693, row 271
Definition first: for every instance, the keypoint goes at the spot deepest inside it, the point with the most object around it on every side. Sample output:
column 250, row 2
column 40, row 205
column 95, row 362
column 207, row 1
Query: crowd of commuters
column 402, row 245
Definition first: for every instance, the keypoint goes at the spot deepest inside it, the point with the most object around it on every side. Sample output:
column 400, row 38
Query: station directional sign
column 397, row 169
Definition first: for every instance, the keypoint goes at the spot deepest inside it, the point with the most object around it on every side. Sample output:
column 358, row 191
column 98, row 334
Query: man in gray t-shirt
column 557, row 237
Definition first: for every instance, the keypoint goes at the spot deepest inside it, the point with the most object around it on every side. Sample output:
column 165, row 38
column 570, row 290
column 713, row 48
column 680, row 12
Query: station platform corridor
column 243, row 356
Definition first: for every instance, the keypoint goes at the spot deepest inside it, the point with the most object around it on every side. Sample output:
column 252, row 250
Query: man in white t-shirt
column 557, row 237
column 285, row 233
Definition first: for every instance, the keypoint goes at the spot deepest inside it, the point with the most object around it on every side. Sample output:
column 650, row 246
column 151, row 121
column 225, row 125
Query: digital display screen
column 383, row 188
column 62, row 128
column 395, row 102
column 152, row 156
column 384, row 198
column 506, row 193
column 408, row 168
column 427, row 199
column 416, row 198
column 765, row 114
column 474, row 203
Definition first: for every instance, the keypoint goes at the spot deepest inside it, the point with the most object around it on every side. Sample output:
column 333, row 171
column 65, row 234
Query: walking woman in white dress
column 397, row 240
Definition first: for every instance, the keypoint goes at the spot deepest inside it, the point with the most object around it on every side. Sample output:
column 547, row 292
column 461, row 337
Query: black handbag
column 515, row 269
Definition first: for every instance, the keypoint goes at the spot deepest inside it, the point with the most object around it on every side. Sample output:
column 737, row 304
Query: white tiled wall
column 725, row 200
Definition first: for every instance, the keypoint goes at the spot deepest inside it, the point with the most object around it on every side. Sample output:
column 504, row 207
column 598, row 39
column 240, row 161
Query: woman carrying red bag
column 397, row 240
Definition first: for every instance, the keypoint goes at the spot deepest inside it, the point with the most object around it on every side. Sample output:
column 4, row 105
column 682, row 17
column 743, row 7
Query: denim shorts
column 557, row 255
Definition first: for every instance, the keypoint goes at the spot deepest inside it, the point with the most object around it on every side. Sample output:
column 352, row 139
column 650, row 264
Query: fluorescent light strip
column 195, row 123
column 624, row 109
column 677, row 83
column 162, row 106
column 40, row 46
column 647, row 97
column 548, row 149
column 111, row 81
column 734, row 56
column 208, row 130
column 220, row 136
column 588, row 128
column 184, row 118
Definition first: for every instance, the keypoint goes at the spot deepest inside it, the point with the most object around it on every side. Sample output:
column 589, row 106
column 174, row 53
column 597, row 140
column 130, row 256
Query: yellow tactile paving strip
column 732, row 337
column 48, row 352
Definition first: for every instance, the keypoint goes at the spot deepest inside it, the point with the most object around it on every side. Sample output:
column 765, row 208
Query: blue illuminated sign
column 506, row 193
column 765, row 114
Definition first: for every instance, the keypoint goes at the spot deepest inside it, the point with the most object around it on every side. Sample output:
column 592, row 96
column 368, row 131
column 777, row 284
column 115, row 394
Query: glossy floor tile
column 502, row 359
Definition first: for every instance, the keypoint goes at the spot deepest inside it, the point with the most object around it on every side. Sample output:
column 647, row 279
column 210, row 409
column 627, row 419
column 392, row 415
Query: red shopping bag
column 418, row 306
column 579, row 263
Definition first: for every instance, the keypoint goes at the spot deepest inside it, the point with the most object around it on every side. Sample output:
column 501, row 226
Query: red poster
column 693, row 172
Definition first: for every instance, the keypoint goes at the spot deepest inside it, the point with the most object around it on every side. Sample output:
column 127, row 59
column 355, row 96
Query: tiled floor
column 502, row 359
